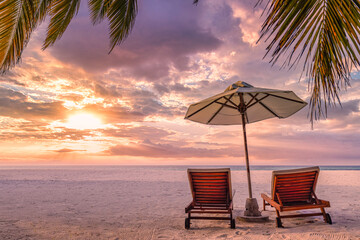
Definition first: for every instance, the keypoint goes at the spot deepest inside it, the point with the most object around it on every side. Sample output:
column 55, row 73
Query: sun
column 83, row 121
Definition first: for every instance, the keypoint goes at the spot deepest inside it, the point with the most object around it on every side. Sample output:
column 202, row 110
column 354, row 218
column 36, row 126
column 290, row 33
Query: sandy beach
column 148, row 203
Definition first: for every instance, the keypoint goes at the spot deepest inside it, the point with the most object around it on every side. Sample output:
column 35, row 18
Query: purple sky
column 137, row 96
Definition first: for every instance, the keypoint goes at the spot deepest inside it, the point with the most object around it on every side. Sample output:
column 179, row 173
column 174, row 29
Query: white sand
column 148, row 203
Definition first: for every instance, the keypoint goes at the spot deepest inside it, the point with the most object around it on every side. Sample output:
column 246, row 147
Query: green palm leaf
column 62, row 12
column 16, row 24
column 42, row 10
column 98, row 9
column 321, row 33
column 121, row 15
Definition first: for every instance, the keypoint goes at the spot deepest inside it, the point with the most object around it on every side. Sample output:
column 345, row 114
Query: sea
column 178, row 167
column 128, row 172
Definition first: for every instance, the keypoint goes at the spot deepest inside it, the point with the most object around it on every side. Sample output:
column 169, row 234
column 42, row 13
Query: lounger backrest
column 210, row 186
column 295, row 185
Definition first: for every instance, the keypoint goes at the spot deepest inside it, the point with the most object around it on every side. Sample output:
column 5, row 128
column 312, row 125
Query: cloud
column 10, row 77
column 163, row 37
column 163, row 150
column 138, row 133
column 67, row 150
column 40, row 131
column 15, row 104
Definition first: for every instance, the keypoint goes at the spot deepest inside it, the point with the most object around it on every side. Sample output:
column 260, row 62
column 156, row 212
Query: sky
column 76, row 104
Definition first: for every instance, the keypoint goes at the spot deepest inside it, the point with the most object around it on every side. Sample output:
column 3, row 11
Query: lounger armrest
column 327, row 203
column 271, row 202
column 189, row 207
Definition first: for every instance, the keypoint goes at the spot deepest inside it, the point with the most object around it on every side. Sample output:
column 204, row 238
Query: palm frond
column 62, row 12
column 17, row 21
column 98, row 9
column 324, row 34
column 121, row 15
column 42, row 10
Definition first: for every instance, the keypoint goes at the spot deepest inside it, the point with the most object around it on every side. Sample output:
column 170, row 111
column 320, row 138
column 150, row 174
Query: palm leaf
column 17, row 21
column 62, row 12
column 121, row 15
column 98, row 9
column 324, row 34
column 42, row 10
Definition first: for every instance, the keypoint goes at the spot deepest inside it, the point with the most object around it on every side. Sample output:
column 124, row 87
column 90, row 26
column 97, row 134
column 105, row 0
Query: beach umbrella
column 240, row 104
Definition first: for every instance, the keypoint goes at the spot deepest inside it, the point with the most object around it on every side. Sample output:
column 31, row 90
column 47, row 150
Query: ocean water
column 176, row 167
column 128, row 173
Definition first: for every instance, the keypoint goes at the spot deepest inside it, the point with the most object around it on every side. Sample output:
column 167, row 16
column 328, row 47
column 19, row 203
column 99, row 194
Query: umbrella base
column 252, row 213
column 253, row 219
column 252, row 208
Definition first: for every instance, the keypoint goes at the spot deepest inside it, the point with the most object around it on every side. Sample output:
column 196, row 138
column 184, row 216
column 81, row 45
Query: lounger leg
column 278, row 220
column 230, row 217
column 326, row 216
column 232, row 221
column 264, row 204
column 187, row 221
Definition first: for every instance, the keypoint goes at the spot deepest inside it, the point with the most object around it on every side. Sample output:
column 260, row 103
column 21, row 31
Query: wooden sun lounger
column 212, row 194
column 293, row 190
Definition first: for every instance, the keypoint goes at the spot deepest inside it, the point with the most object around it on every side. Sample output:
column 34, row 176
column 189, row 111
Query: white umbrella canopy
column 239, row 104
column 259, row 103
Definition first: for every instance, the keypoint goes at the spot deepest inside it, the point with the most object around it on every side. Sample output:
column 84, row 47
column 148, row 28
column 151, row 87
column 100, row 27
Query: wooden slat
column 207, row 174
column 210, row 201
column 217, row 200
column 290, row 194
column 211, row 196
column 295, row 178
column 223, row 207
column 301, row 190
column 212, row 190
column 299, row 207
column 209, row 180
column 288, row 200
column 212, row 177
column 296, row 174
column 295, row 181
column 304, row 185
column 301, row 215
column 221, row 188
column 218, row 193
column 212, row 212
column 291, row 198
column 207, row 183
column 210, row 205
column 212, row 218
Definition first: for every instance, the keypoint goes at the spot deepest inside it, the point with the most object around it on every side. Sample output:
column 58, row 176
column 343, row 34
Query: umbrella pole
column 246, row 155
column 251, row 205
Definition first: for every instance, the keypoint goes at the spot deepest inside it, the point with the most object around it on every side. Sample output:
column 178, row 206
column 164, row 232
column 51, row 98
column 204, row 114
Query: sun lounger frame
column 294, row 190
column 212, row 194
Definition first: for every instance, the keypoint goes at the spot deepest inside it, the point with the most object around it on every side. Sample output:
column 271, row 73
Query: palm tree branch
column 42, row 10
column 121, row 16
column 98, row 9
column 17, row 22
column 327, row 31
column 62, row 12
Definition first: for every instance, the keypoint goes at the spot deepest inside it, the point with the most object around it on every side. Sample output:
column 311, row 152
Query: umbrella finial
column 237, row 85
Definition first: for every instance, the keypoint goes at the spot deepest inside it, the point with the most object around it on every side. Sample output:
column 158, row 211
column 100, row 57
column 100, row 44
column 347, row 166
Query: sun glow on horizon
column 83, row 121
